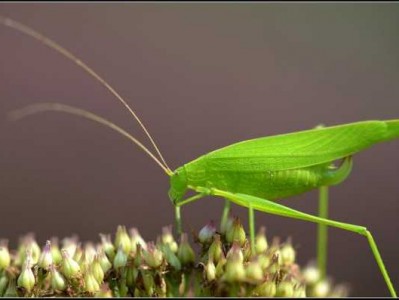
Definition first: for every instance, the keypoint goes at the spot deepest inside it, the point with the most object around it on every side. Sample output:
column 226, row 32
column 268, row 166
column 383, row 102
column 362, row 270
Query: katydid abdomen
column 272, row 185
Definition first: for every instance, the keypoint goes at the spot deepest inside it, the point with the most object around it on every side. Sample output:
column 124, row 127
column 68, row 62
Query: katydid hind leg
column 333, row 176
column 284, row 211
column 322, row 232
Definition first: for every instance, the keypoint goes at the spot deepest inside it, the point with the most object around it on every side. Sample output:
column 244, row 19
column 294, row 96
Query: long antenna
column 42, row 107
column 55, row 46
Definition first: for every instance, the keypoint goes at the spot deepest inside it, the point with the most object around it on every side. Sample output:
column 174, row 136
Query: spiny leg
column 322, row 232
column 280, row 210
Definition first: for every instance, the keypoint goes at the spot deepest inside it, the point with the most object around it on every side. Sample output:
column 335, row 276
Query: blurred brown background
column 201, row 76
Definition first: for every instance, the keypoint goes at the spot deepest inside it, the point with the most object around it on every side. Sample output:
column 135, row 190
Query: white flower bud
column 55, row 251
column 57, row 280
column 185, row 253
column 235, row 252
column 311, row 274
column 104, row 261
column 91, row 284
column 236, row 233
column 122, row 239
column 5, row 258
column 46, row 259
column 321, row 289
column 136, row 238
column 266, row 289
column 299, row 292
column 215, row 251
column 97, row 270
column 69, row 267
column 120, row 259
column 254, row 270
column 288, row 254
column 89, row 252
column 70, row 244
column 261, row 241
column 285, row 289
column 27, row 279
column 153, row 257
column 206, row 233
column 107, row 246
column 210, row 270
column 234, row 271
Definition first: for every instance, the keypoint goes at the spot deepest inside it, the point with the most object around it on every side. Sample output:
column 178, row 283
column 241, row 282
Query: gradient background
column 201, row 76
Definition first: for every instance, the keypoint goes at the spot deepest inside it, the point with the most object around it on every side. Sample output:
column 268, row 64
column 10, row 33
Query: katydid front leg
column 178, row 220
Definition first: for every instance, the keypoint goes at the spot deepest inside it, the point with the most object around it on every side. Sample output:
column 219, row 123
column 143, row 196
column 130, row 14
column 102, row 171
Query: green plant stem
column 322, row 232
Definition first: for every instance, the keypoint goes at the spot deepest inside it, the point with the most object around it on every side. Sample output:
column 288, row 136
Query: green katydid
column 253, row 173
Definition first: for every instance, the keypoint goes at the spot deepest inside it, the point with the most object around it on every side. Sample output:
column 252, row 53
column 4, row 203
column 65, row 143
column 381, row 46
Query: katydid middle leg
column 251, row 221
column 225, row 215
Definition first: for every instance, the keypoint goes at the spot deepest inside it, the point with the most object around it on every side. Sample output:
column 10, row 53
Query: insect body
column 258, row 178
column 254, row 173
column 284, row 165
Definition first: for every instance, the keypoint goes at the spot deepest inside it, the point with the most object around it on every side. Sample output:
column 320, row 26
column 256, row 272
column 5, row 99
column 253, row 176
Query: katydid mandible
column 253, row 173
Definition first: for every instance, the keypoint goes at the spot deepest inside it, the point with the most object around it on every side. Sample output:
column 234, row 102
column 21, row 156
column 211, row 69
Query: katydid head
column 178, row 185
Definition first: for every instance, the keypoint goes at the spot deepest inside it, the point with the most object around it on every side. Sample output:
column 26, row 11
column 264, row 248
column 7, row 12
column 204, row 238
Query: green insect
column 258, row 172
